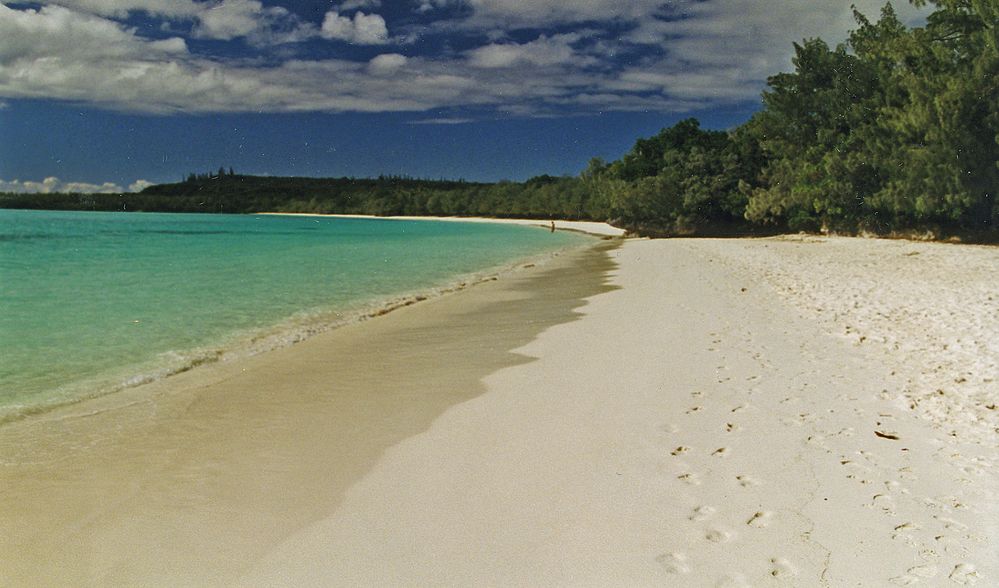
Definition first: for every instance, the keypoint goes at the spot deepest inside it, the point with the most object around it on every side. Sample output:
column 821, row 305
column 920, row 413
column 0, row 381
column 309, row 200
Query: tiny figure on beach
column 553, row 226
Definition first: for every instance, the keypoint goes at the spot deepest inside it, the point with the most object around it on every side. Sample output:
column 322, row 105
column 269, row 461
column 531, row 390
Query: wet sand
column 189, row 481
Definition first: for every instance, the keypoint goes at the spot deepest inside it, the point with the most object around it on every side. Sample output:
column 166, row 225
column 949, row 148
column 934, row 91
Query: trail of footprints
column 678, row 562
column 888, row 497
column 861, row 466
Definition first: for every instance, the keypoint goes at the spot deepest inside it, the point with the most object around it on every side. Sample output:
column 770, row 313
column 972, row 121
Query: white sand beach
column 793, row 411
column 797, row 412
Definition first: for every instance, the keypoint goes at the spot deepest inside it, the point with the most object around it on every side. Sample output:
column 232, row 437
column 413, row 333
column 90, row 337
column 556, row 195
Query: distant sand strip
column 593, row 228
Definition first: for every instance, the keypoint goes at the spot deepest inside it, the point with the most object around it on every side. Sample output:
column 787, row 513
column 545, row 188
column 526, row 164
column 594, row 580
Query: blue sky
column 114, row 94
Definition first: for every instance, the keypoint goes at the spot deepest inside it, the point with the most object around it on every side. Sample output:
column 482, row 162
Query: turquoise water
column 91, row 302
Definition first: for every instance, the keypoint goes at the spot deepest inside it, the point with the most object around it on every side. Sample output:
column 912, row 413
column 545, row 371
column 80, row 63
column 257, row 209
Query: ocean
column 93, row 302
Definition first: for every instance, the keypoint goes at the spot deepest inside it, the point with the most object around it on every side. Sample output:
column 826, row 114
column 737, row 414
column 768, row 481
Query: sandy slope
column 758, row 412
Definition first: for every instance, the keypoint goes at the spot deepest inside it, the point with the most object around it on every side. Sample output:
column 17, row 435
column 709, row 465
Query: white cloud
column 386, row 63
column 707, row 53
column 724, row 50
column 50, row 54
column 541, row 13
column 174, row 9
column 53, row 184
column 212, row 19
column 541, row 51
column 442, row 121
column 733, row 30
column 349, row 5
column 362, row 29
column 139, row 185
column 60, row 34
column 230, row 19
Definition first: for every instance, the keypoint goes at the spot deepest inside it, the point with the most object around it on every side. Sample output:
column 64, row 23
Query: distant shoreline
column 589, row 227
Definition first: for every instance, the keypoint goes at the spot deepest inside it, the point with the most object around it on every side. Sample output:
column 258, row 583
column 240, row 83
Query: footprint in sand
column 690, row 478
column 915, row 575
column 721, row 452
column 760, row 519
column 894, row 486
column 747, row 481
column 680, row 450
column 731, row 427
column 904, row 532
column 694, row 409
column 781, row 568
column 883, row 502
column 964, row 574
column 702, row 513
column 674, row 563
column 951, row 524
column 740, row 407
column 719, row 536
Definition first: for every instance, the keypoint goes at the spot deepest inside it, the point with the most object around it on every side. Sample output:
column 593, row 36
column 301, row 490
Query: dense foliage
column 895, row 131
column 541, row 197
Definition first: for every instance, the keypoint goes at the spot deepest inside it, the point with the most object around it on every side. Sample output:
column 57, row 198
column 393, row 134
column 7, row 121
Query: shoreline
column 291, row 330
column 599, row 229
column 680, row 412
column 277, row 433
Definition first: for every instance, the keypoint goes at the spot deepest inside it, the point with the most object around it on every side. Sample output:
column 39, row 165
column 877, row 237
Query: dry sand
column 785, row 412
column 704, row 425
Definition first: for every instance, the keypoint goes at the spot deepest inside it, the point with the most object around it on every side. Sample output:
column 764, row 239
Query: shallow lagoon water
column 92, row 302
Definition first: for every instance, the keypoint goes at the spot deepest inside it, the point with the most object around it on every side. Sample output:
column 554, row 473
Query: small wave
column 187, row 232
column 9, row 237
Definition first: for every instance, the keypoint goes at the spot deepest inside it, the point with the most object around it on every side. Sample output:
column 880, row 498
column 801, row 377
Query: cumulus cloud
column 542, row 51
column 428, row 5
column 139, row 185
column 60, row 34
column 609, row 55
column 362, row 29
column 541, row 13
column 727, row 31
column 210, row 19
column 386, row 63
column 725, row 49
column 52, row 184
column 349, row 5
column 174, row 9
column 228, row 20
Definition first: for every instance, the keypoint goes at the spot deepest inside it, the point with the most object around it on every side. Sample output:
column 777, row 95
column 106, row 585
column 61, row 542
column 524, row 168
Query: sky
column 113, row 95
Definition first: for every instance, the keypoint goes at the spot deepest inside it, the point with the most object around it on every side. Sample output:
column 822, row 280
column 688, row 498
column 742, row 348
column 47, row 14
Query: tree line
column 894, row 131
